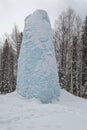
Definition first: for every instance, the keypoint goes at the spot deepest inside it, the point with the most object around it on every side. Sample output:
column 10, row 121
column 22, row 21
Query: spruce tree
column 5, row 70
column 74, row 66
column 84, row 57
column 12, row 78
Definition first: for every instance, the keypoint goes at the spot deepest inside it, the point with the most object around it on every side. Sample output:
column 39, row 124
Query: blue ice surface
column 37, row 69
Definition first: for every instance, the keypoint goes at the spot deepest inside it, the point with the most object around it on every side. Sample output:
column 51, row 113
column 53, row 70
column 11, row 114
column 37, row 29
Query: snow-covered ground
column 18, row 113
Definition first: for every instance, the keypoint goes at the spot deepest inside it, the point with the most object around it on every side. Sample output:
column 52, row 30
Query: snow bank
column 19, row 113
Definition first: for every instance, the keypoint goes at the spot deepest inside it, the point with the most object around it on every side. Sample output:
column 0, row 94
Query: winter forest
column 70, row 42
column 43, row 66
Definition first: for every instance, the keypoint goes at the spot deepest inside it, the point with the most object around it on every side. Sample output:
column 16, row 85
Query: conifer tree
column 84, row 56
column 12, row 78
column 5, row 70
column 74, row 66
column 8, row 80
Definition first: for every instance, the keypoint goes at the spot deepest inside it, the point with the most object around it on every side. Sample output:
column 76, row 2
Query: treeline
column 70, row 40
column 9, row 54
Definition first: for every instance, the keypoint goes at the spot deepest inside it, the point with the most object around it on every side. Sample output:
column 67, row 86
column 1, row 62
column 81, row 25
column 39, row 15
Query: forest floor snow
column 18, row 113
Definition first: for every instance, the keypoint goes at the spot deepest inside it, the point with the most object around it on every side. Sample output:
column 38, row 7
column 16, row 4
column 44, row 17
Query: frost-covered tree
column 63, row 36
column 16, row 36
column 74, row 66
column 9, row 60
column 0, row 64
column 12, row 78
column 84, row 57
column 4, row 66
column 7, row 68
column 67, row 26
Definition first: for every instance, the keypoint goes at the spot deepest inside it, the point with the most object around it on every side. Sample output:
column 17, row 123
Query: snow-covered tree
column 12, row 78
column 67, row 27
column 74, row 66
column 16, row 36
column 84, row 57
column 0, row 64
column 8, row 80
column 5, row 71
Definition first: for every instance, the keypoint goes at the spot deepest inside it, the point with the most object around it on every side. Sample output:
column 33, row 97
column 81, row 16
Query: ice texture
column 37, row 69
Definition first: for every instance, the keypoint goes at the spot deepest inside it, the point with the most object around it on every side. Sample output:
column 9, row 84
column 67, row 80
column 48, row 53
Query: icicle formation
column 37, row 69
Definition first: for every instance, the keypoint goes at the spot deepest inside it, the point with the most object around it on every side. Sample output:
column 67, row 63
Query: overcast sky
column 14, row 11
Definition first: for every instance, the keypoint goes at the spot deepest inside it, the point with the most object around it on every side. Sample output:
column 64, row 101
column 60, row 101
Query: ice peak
column 40, row 14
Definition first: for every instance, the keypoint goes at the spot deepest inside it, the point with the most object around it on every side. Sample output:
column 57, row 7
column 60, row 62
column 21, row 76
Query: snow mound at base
column 19, row 113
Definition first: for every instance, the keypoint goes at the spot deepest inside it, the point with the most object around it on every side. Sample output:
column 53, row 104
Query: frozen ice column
column 37, row 69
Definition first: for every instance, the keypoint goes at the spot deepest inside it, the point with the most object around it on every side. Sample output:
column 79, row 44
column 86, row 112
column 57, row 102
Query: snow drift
column 37, row 69
column 18, row 113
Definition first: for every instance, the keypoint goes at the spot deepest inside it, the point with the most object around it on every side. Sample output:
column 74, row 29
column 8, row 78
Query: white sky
column 14, row 11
